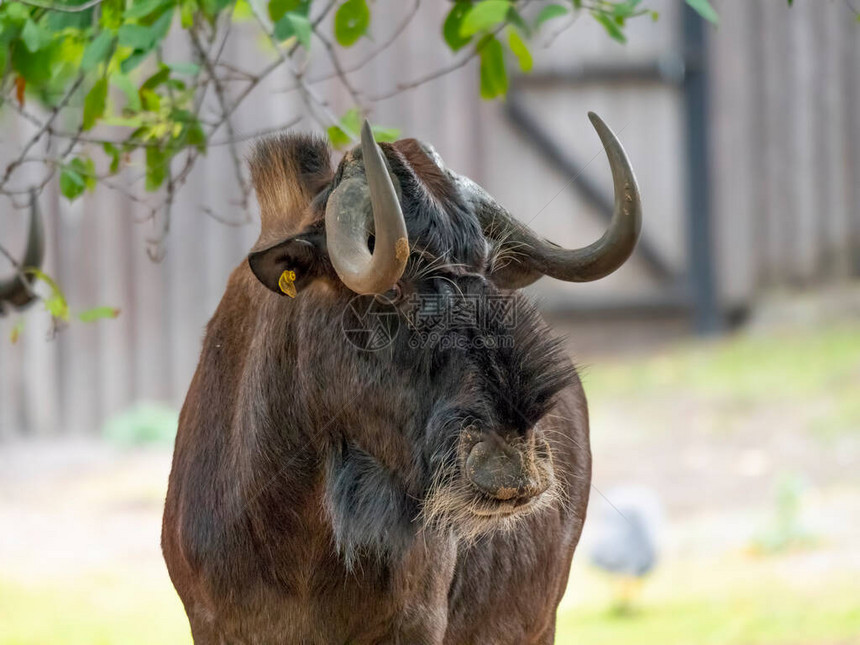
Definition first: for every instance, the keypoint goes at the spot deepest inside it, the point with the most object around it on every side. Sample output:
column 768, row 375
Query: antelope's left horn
column 346, row 222
column 17, row 291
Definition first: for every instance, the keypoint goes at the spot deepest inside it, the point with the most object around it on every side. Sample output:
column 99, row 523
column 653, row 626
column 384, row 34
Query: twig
column 61, row 7
column 432, row 76
column 339, row 70
column 219, row 93
column 45, row 128
column 373, row 54
column 271, row 67
column 309, row 95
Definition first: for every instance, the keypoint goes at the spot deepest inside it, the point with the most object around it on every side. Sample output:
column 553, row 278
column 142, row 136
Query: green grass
column 734, row 598
column 745, row 366
column 737, row 602
column 744, row 371
column 771, row 618
column 98, row 610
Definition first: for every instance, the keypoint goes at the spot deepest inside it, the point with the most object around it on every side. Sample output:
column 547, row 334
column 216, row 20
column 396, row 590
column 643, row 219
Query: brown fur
column 283, row 419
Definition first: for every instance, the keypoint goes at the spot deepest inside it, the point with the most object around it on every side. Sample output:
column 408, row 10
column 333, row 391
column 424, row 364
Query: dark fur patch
column 370, row 511
column 528, row 374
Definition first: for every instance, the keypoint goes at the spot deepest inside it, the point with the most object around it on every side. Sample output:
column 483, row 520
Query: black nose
column 503, row 472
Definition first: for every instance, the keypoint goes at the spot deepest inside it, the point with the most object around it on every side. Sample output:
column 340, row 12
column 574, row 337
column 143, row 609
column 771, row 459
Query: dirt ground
column 723, row 432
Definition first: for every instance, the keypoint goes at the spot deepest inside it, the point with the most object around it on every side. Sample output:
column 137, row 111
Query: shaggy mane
column 288, row 170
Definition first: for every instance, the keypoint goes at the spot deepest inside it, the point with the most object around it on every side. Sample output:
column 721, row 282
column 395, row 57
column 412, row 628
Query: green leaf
column 626, row 9
column 484, row 15
column 346, row 132
column 71, row 184
column 94, row 103
column 124, row 83
column 34, row 36
column 15, row 334
column 451, row 26
column 548, row 13
column 35, row 67
column 99, row 50
column 514, row 18
column 85, row 169
column 113, row 152
column 610, row 26
column 212, row 7
column 351, row 121
column 150, row 99
column 16, row 13
column 60, row 20
column 277, row 8
column 494, row 76
column 97, row 313
column 186, row 13
column 383, row 135
column 520, row 50
column 704, row 9
column 351, row 22
column 195, row 136
column 294, row 24
column 57, row 307
column 133, row 61
column 126, row 122
column 56, row 302
column 161, row 26
column 156, row 167
column 111, row 14
column 158, row 78
column 143, row 8
column 136, row 36
column 339, row 139
column 189, row 69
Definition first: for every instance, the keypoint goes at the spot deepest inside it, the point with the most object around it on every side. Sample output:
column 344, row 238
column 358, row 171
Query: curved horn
column 346, row 218
column 534, row 257
column 16, row 291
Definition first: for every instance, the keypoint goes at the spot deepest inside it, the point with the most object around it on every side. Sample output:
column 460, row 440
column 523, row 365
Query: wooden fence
column 785, row 169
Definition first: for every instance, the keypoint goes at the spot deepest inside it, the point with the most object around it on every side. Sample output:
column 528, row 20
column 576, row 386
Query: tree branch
column 61, row 7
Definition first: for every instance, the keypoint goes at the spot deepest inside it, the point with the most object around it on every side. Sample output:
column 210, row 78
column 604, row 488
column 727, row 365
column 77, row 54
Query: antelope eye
column 392, row 296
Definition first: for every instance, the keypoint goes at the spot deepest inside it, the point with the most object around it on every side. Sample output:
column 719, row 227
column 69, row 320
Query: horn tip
column 596, row 121
column 366, row 132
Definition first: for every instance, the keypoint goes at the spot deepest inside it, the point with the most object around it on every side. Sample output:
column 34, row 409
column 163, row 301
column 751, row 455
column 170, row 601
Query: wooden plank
column 834, row 178
column 113, row 254
column 12, row 232
column 40, row 376
column 150, row 348
column 805, row 153
column 780, row 205
column 736, row 162
column 78, row 343
column 853, row 154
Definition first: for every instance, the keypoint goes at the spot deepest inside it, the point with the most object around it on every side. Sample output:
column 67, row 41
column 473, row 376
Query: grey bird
column 626, row 543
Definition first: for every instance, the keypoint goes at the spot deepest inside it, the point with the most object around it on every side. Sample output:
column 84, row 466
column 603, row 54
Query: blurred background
column 722, row 363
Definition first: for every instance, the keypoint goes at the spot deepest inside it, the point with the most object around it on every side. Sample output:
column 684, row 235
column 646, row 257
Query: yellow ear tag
column 287, row 283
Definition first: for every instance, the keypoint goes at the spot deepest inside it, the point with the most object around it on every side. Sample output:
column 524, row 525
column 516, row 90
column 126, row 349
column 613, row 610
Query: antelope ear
column 304, row 254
